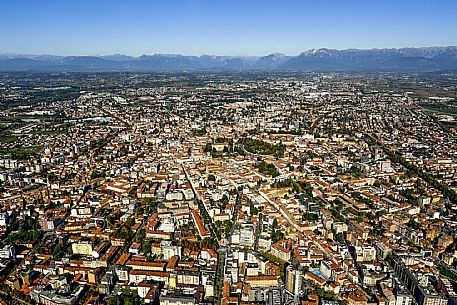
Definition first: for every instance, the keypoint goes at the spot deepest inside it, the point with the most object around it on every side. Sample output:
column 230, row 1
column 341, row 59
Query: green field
column 442, row 109
column 13, row 119
column 7, row 138
column 21, row 153
column 50, row 132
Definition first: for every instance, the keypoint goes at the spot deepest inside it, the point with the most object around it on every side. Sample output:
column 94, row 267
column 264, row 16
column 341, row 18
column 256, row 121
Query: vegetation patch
column 263, row 148
column 20, row 153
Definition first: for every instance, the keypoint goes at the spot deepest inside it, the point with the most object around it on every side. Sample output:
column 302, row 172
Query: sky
column 221, row 27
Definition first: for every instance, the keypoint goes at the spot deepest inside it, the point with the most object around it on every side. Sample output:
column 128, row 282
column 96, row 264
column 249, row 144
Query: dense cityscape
column 228, row 188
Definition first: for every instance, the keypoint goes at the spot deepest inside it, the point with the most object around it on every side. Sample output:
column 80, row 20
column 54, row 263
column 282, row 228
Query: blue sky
column 221, row 27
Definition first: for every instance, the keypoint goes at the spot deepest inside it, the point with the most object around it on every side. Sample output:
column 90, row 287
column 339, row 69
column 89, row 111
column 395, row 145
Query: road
column 201, row 206
column 219, row 278
column 235, row 214
column 278, row 208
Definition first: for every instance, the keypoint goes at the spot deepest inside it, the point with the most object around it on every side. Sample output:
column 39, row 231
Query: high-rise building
column 293, row 282
column 247, row 235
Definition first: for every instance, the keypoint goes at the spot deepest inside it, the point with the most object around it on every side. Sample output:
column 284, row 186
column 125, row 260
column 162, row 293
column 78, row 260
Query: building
column 247, row 231
column 82, row 247
column 275, row 297
column 262, row 280
column 293, row 282
column 108, row 281
column 61, row 296
column 177, row 300
column 8, row 252
column 418, row 284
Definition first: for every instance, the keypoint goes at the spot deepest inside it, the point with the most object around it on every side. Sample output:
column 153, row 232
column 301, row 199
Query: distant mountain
column 117, row 57
column 272, row 61
column 321, row 60
column 389, row 60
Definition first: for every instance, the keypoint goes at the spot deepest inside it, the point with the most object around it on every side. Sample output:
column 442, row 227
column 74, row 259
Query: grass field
column 7, row 138
column 21, row 153
column 440, row 109
column 50, row 132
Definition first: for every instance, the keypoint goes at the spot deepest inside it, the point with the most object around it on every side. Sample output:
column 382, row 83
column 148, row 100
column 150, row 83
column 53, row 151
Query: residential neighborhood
column 293, row 188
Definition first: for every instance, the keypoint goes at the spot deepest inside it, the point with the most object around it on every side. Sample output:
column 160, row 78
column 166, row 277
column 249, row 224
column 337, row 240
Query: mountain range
column 427, row 59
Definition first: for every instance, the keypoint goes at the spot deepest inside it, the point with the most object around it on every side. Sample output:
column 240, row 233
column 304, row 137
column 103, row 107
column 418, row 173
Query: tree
column 268, row 168
column 208, row 148
column 146, row 247
column 275, row 224
column 59, row 251
column 264, row 148
column 141, row 235
column 224, row 201
column 138, row 211
column 130, row 222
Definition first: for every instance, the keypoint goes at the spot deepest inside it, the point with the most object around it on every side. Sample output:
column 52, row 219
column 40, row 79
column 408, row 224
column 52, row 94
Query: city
column 229, row 152
column 228, row 188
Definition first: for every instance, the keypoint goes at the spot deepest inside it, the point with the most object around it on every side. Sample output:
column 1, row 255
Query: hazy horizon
column 230, row 55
